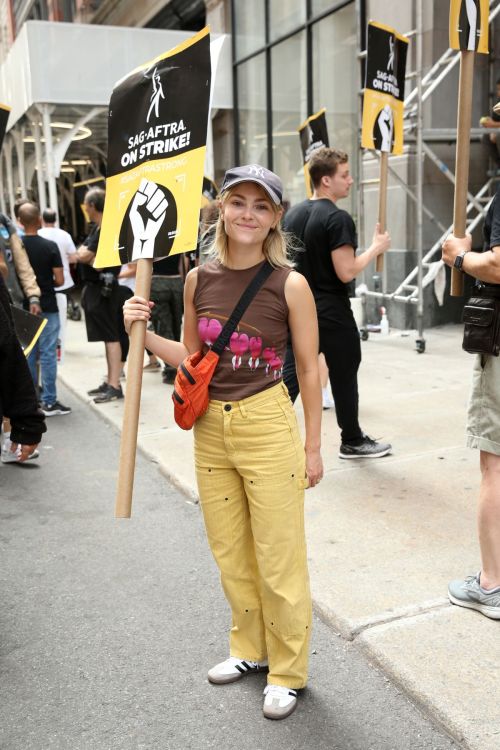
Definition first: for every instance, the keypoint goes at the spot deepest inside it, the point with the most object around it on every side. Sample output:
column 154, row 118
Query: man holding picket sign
column 479, row 591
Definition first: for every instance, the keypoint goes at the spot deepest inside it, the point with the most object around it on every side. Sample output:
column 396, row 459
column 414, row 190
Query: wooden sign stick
column 128, row 445
column 462, row 159
column 382, row 203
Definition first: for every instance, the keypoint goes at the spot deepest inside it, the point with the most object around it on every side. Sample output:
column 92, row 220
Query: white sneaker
column 328, row 402
column 279, row 702
column 233, row 669
column 8, row 457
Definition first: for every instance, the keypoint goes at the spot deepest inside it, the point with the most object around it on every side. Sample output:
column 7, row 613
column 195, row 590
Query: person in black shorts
column 327, row 237
column 481, row 590
column 101, row 301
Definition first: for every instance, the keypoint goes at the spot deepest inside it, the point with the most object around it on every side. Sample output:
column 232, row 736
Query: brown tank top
column 253, row 360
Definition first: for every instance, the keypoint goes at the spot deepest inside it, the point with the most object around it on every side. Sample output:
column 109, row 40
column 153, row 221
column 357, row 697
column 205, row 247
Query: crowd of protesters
column 35, row 261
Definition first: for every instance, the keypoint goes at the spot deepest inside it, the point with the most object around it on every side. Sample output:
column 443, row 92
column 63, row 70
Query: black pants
column 342, row 350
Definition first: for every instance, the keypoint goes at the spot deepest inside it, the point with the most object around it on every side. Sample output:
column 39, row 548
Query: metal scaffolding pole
column 420, row 177
column 42, row 195
column 49, row 157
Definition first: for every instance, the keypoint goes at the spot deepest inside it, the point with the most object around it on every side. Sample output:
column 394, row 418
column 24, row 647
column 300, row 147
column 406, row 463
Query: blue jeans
column 46, row 349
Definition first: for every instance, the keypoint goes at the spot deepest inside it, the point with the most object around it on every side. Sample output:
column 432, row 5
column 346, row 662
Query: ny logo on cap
column 256, row 170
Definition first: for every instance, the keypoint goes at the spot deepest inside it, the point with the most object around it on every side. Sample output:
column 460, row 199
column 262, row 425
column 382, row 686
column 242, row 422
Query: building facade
column 289, row 58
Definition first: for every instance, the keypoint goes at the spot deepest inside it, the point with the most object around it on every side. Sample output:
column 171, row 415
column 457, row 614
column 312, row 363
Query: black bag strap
column 223, row 338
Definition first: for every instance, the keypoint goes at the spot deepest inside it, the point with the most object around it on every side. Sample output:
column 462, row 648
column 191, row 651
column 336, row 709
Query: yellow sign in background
column 469, row 25
column 374, row 103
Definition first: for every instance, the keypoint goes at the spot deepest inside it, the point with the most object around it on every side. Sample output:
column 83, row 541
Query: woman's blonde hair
column 275, row 246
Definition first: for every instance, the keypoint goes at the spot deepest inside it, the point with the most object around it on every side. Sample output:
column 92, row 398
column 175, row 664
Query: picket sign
column 157, row 134
column 383, row 104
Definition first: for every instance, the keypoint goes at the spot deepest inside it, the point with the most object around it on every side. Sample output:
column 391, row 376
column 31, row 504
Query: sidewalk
column 384, row 536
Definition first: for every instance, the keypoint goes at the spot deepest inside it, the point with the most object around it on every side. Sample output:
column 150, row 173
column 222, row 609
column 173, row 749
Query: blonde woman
column 251, row 465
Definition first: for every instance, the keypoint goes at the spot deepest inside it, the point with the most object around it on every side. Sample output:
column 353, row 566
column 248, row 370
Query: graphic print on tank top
column 246, row 346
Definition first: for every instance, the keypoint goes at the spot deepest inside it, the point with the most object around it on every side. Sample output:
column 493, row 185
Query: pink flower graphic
column 208, row 330
column 238, row 344
column 276, row 366
column 255, row 345
column 269, row 354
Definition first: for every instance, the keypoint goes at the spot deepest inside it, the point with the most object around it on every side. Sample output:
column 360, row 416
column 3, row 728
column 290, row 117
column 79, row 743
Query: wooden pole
column 128, row 446
column 462, row 159
column 382, row 203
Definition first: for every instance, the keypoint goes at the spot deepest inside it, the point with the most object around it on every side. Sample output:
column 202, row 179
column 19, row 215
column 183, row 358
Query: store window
column 321, row 6
column 252, row 111
column 280, row 83
column 285, row 17
column 249, row 26
column 289, row 110
column 336, row 78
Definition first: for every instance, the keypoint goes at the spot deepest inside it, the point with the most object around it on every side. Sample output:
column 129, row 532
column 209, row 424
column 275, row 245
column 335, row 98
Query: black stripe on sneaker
column 238, row 667
column 246, row 664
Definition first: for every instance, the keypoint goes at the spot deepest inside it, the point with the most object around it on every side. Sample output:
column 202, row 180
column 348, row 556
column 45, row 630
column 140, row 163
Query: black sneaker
column 110, row 394
column 367, row 449
column 55, row 409
column 97, row 391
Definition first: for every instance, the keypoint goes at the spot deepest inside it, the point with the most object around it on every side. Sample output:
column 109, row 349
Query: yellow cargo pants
column 250, row 468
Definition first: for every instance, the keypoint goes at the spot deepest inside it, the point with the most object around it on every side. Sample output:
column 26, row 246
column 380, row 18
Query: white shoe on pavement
column 10, row 457
column 233, row 669
column 279, row 702
column 328, row 402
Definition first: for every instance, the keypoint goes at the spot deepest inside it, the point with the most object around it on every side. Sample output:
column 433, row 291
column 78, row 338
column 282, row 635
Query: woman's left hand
column 314, row 466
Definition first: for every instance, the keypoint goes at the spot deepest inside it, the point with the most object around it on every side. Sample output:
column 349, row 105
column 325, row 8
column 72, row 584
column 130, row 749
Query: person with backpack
column 251, row 465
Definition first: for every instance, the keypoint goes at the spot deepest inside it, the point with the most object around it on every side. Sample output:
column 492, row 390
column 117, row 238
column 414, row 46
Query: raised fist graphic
column 386, row 126
column 147, row 214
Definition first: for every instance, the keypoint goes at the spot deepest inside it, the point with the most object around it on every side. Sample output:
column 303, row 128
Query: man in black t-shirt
column 101, row 301
column 481, row 591
column 329, row 262
column 45, row 259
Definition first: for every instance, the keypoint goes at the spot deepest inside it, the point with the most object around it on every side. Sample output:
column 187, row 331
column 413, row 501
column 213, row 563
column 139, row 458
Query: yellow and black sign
column 28, row 328
column 469, row 25
column 313, row 135
column 4, row 116
column 384, row 89
column 157, row 131
column 209, row 192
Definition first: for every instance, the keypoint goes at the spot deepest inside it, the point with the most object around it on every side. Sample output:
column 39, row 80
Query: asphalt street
column 108, row 627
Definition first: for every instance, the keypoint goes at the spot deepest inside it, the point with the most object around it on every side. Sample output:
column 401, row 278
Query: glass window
column 285, row 16
column 289, row 102
column 250, row 26
column 336, row 79
column 318, row 6
column 252, row 110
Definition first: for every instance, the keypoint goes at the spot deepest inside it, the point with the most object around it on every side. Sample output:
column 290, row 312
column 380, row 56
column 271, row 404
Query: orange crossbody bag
column 190, row 394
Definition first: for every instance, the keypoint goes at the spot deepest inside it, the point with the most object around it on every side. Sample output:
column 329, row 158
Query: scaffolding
column 411, row 289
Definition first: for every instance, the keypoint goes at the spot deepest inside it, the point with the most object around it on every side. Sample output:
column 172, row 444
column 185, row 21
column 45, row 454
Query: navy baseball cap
column 255, row 173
